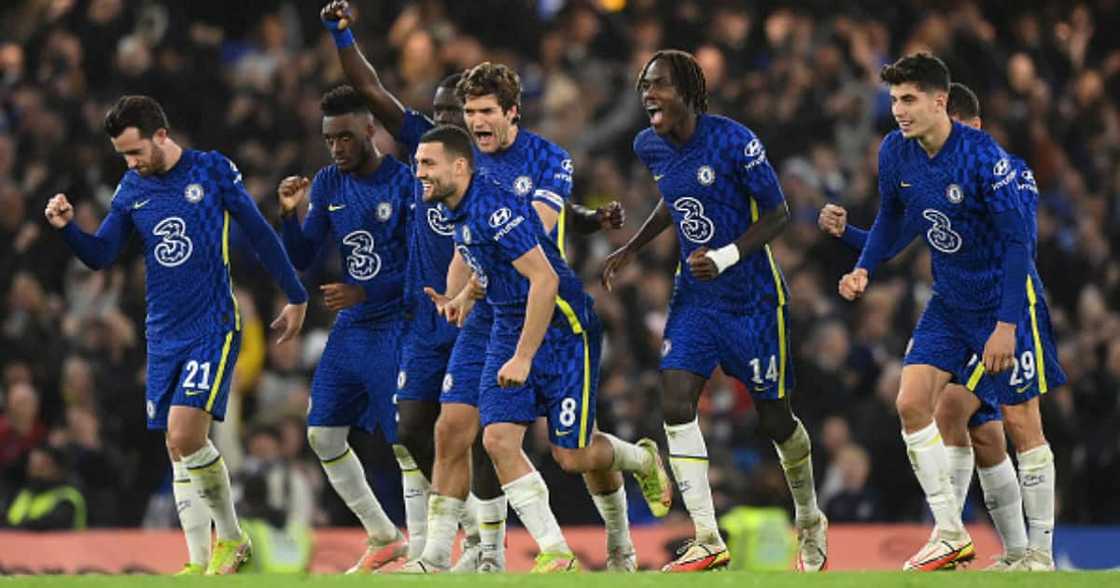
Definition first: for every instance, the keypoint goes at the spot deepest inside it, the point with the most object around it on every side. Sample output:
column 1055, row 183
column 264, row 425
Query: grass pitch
column 599, row 580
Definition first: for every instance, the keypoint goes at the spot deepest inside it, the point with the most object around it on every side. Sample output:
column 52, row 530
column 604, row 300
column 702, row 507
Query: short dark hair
column 923, row 69
column 688, row 77
column 455, row 140
column 491, row 78
column 142, row 112
column 343, row 100
column 963, row 102
column 451, row 81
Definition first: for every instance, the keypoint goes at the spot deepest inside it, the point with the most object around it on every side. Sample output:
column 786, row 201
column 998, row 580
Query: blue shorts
column 563, row 383
column 191, row 373
column 464, row 368
column 350, row 387
column 953, row 340
column 424, row 357
column 753, row 348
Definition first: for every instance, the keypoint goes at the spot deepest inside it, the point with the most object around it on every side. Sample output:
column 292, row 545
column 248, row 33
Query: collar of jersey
column 950, row 144
column 701, row 122
column 184, row 165
column 378, row 175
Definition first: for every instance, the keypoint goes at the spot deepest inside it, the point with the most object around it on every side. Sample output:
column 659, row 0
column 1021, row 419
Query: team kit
column 455, row 280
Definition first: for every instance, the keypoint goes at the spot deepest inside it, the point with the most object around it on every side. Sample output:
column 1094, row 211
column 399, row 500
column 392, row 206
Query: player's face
column 349, row 139
column 447, row 109
column 664, row 105
column 436, row 171
column 488, row 123
column 144, row 156
column 915, row 110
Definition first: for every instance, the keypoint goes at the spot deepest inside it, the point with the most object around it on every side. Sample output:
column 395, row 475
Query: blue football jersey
column 493, row 228
column 368, row 218
column 183, row 218
column 715, row 187
column 954, row 196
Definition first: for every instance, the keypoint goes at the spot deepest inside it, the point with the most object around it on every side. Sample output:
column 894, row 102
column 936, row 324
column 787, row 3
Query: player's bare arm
column 543, row 286
column 584, row 220
column 655, row 224
column 707, row 264
column 337, row 17
column 338, row 296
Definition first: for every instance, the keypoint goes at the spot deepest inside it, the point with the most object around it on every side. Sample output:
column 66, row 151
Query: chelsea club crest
column 384, row 211
column 954, row 194
column 705, row 175
column 194, row 193
column 523, row 185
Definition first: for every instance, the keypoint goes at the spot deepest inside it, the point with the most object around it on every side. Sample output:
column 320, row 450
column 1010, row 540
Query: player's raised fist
column 833, row 220
column 853, row 284
column 337, row 15
column 292, row 192
column 614, row 262
column 701, row 265
column 59, row 211
column 611, row 216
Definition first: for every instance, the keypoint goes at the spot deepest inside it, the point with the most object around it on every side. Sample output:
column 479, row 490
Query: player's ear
column 514, row 114
column 159, row 136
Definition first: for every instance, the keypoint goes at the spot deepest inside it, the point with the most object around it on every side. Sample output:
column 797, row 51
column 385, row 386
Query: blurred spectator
column 855, row 502
column 46, row 502
column 21, row 430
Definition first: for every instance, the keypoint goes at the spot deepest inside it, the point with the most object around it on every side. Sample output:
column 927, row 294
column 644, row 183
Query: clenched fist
column 291, row 193
column 59, row 211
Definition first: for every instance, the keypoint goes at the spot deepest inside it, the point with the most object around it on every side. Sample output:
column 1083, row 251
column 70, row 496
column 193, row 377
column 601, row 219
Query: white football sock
column 1005, row 505
column 1037, row 476
column 612, row 507
column 211, row 480
column 796, row 454
column 443, row 525
column 962, row 461
column 348, row 478
column 492, row 528
column 194, row 515
column 688, row 456
column 528, row 495
column 416, row 490
column 931, row 467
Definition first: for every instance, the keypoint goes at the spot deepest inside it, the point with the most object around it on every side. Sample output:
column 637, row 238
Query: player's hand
column 611, row 216
column 853, row 284
column 833, row 220
column 999, row 351
column 455, row 310
column 291, row 193
column 290, row 321
column 702, row 267
column 338, row 296
column 515, row 372
column 337, row 15
column 59, row 211
column 475, row 289
column 614, row 262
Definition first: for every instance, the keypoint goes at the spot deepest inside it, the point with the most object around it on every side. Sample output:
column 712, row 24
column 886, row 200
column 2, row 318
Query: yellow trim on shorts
column 977, row 373
column 217, row 385
column 229, row 275
column 1039, row 360
column 781, row 352
column 577, row 328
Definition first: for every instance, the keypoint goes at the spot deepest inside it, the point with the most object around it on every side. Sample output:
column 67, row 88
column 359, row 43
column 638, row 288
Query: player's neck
column 372, row 163
column 682, row 134
column 511, row 138
column 452, row 202
column 935, row 139
column 172, row 154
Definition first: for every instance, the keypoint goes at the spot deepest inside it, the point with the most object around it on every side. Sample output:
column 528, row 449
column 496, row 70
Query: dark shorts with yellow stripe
column 193, row 373
column 953, row 340
column 751, row 347
column 563, row 383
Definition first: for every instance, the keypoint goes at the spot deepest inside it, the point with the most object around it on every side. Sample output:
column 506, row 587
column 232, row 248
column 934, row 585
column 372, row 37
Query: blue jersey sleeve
column 303, row 243
column 1001, row 196
column 513, row 231
column 555, row 186
column 413, row 126
column 753, row 172
column 856, row 238
column 885, row 232
column 102, row 248
column 267, row 245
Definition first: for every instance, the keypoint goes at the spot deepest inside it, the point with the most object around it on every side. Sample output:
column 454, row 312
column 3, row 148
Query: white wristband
column 724, row 257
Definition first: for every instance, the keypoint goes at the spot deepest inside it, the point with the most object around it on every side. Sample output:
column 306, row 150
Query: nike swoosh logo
column 1023, row 389
column 905, row 185
column 334, row 207
column 658, row 178
column 193, row 392
column 139, row 205
column 560, row 433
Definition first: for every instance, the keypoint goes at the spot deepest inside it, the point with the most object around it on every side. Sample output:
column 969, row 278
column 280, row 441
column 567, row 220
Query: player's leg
column 455, row 432
column 1037, row 478
column 194, row 515
column 200, row 397
column 417, row 410
column 1000, row 486
column 955, row 406
column 689, row 353
column 340, row 400
column 493, row 508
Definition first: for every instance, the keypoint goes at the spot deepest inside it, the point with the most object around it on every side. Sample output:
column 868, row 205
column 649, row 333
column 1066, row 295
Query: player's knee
column 327, row 442
column 1025, row 432
column 775, row 420
column 499, row 443
column 453, row 437
column 572, row 461
column 183, row 443
column 677, row 409
column 914, row 410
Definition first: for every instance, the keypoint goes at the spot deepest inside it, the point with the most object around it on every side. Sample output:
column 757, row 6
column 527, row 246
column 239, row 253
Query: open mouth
column 483, row 137
column 655, row 114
